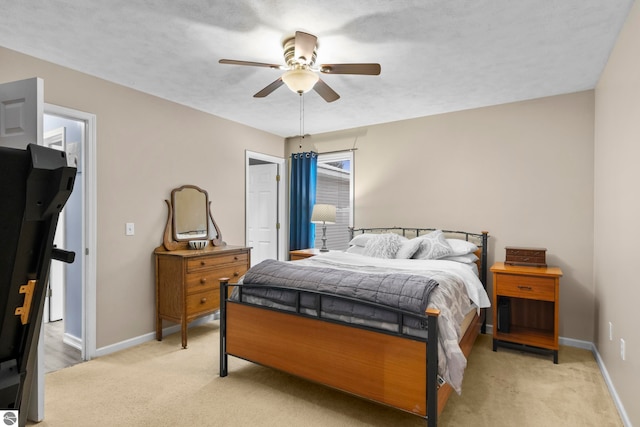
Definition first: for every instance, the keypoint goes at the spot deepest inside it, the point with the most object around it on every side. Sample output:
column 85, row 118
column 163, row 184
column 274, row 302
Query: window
column 335, row 187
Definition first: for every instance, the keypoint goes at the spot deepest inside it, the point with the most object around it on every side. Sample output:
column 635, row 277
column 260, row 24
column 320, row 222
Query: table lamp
column 323, row 214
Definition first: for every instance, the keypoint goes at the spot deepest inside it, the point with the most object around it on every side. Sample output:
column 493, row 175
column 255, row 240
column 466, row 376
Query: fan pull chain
column 301, row 120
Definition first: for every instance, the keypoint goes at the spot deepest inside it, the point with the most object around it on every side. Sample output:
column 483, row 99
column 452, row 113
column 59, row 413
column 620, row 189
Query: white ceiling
column 436, row 55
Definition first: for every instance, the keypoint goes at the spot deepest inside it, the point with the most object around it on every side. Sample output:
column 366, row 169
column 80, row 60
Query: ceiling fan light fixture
column 300, row 80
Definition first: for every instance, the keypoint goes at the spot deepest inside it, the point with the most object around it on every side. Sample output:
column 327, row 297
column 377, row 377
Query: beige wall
column 145, row 147
column 617, row 212
column 522, row 171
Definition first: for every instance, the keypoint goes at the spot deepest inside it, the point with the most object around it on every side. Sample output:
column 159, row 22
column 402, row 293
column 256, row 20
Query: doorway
column 63, row 304
column 265, row 205
column 70, row 308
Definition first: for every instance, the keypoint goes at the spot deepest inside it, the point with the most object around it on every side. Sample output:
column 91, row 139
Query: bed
column 391, row 319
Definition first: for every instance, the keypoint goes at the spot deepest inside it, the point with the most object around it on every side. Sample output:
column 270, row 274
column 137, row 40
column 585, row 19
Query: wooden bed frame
column 386, row 367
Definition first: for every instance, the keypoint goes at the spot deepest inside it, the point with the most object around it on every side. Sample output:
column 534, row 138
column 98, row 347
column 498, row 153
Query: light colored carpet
column 160, row 384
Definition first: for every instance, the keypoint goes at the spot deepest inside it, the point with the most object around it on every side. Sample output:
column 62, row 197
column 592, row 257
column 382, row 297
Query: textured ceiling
column 436, row 55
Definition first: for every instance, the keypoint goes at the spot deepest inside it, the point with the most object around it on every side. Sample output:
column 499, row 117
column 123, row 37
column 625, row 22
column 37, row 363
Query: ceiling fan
column 301, row 70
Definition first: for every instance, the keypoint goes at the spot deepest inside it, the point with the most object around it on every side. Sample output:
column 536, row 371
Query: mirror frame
column 170, row 239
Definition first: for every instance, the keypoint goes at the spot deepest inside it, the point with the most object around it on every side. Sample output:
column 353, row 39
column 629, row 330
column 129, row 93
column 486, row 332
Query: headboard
column 479, row 239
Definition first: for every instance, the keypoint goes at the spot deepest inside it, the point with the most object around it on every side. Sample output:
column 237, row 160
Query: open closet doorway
column 265, row 220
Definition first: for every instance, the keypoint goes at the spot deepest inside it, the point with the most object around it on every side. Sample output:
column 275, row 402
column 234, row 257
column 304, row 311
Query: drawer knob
column 203, row 263
column 235, row 258
column 203, row 300
column 525, row 288
column 203, row 280
column 236, row 274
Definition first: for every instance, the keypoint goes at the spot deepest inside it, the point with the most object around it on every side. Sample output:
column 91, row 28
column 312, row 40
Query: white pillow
column 433, row 246
column 408, row 249
column 466, row 258
column 362, row 239
column 384, row 245
column 356, row 250
column 461, row 247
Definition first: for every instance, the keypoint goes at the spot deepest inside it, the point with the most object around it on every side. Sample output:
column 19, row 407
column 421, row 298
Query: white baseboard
column 132, row 342
column 586, row 345
column 73, row 341
column 612, row 390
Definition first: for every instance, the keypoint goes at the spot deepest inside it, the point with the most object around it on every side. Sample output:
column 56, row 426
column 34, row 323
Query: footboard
column 385, row 367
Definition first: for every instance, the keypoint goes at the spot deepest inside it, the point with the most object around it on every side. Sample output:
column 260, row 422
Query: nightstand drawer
column 530, row 287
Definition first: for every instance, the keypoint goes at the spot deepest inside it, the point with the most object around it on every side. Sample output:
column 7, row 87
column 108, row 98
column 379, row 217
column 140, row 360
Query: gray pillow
column 408, row 248
column 383, row 245
column 433, row 246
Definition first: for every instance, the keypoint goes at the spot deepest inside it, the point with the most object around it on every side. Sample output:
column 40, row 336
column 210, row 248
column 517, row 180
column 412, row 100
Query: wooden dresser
column 187, row 282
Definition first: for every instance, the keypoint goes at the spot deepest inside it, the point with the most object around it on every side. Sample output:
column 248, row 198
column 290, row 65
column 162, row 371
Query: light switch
column 129, row 229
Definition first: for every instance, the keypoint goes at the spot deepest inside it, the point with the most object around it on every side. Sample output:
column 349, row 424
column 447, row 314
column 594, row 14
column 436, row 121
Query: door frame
column 282, row 218
column 89, row 226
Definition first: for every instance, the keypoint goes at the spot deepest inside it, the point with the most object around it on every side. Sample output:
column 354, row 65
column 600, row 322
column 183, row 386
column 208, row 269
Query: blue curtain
column 304, row 169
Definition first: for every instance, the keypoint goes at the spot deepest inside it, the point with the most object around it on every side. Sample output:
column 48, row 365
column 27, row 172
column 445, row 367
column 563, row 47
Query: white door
column 21, row 116
column 262, row 212
column 21, row 112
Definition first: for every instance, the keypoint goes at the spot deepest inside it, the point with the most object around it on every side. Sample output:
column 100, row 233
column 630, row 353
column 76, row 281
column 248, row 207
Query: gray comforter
column 395, row 290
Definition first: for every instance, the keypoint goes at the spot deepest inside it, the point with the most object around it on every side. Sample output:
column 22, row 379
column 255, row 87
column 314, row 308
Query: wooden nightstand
column 304, row 253
column 526, row 304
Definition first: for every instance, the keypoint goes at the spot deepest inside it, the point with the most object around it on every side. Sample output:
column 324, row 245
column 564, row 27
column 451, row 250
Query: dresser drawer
column 203, row 302
column 540, row 288
column 203, row 263
column 211, row 278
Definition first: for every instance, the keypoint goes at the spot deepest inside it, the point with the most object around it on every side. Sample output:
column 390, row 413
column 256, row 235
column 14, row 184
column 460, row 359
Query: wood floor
column 58, row 355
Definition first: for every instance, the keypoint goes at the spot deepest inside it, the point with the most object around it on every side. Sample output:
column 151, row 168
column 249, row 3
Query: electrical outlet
column 623, row 348
column 129, row 229
column 610, row 331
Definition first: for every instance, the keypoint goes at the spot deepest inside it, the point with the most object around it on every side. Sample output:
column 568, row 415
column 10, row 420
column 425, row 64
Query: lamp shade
column 323, row 214
column 300, row 80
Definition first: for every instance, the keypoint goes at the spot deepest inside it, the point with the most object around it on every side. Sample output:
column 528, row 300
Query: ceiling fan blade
column 325, row 91
column 249, row 63
column 270, row 88
column 305, row 45
column 367, row 69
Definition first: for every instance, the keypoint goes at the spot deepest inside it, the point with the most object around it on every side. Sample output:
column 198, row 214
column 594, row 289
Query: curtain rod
column 338, row 151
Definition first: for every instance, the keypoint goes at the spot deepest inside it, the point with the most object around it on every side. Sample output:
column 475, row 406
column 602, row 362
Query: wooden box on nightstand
column 526, row 304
